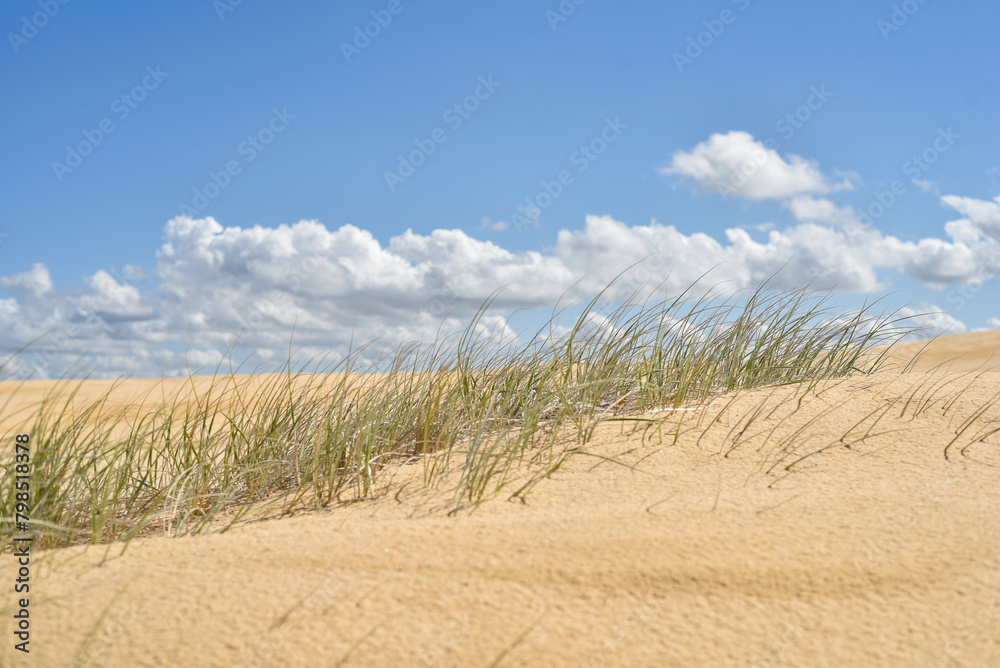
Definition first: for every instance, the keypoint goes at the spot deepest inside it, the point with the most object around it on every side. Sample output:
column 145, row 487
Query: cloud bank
column 214, row 286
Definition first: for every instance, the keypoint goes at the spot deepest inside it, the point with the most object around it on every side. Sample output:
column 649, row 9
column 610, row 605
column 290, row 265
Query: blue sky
column 874, row 85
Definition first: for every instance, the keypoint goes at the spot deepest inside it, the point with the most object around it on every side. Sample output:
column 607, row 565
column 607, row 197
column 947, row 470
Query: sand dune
column 976, row 351
column 858, row 526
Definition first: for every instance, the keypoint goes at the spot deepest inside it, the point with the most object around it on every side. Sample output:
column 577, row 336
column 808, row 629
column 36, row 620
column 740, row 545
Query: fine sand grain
column 857, row 523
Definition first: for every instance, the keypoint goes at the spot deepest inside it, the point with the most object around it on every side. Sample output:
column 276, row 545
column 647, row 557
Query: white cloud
column 214, row 283
column 963, row 231
column 980, row 211
column 931, row 320
column 525, row 216
column 498, row 226
column 981, row 216
column 36, row 282
column 802, row 253
column 737, row 164
column 821, row 210
column 114, row 301
column 993, row 323
column 594, row 329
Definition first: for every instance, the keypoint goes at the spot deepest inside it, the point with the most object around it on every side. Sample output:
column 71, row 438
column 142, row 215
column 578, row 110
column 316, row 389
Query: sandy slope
column 976, row 351
column 701, row 552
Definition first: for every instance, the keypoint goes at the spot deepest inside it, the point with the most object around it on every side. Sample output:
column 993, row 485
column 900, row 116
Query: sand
column 977, row 351
column 873, row 549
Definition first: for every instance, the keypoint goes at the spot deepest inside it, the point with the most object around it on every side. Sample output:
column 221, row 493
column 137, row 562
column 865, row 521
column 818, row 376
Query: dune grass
column 482, row 402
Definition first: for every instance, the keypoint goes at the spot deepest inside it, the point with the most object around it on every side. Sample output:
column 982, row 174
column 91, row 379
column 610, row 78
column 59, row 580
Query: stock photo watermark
column 562, row 13
column 787, row 125
column 455, row 116
column 248, row 149
column 900, row 14
column 704, row 39
column 122, row 107
column 439, row 307
column 528, row 213
column 266, row 310
column 914, row 168
column 22, row 510
column 30, row 25
column 223, row 7
column 58, row 340
column 961, row 295
column 364, row 34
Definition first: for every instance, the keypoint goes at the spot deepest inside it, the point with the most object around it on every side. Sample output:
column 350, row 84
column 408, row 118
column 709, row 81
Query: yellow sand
column 881, row 553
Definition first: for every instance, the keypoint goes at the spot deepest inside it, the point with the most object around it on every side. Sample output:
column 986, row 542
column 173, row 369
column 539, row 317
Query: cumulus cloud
column 802, row 254
column 821, row 210
column 982, row 217
column 113, row 300
column 736, row 164
column 217, row 286
column 931, row 320
column 36, row 282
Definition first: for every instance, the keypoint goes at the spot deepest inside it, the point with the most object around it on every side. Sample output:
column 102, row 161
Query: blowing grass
column 487, row 404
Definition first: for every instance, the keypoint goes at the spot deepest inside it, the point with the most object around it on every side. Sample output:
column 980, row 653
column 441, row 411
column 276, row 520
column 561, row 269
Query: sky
column 179, row 178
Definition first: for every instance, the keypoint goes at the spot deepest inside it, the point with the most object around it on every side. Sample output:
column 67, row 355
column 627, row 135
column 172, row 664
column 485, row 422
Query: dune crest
column 851, row 523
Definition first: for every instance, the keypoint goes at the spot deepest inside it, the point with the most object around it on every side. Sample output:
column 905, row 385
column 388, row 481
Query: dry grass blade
column 294, row 439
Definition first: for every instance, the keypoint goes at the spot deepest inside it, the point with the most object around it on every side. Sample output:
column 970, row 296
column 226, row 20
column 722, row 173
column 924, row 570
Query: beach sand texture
column 858, row 526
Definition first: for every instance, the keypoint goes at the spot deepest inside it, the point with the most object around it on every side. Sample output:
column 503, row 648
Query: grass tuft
column 295, row 439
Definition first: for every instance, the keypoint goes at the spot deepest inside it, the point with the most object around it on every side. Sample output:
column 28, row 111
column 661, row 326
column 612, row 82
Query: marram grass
column 484, row 404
